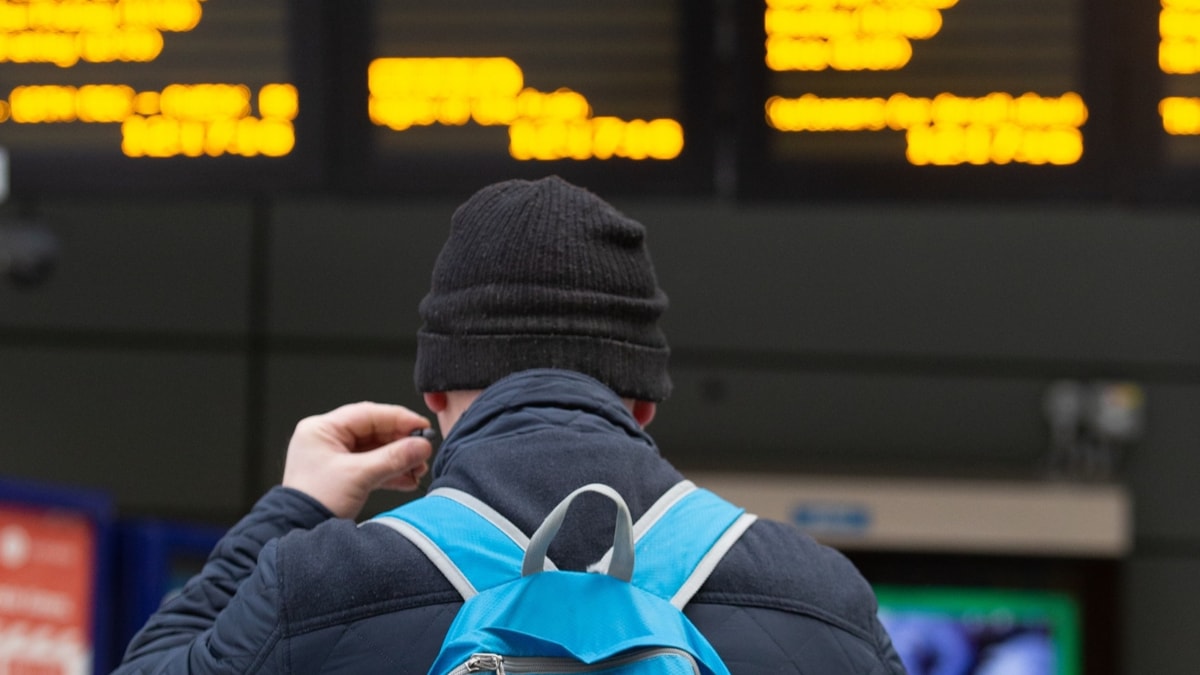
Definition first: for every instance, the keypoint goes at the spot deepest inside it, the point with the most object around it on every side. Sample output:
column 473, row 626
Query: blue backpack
column 523, row 615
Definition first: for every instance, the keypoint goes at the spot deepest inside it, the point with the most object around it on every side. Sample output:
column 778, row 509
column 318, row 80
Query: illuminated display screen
column 795, row 99
column 577, row 88
column 113, row 86
column 905, row 85
column 979, row 630
column 1179, row 61
column 920, row 81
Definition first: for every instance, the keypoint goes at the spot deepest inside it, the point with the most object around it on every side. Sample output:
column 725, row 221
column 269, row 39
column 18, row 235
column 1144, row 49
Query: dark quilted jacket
column 326, row 595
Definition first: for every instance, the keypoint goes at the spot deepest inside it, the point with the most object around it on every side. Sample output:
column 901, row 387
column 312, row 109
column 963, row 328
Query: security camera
column 28, row 254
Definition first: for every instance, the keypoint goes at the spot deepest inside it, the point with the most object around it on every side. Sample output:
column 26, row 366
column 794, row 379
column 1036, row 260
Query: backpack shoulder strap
column 473, row 546
column 680, row 540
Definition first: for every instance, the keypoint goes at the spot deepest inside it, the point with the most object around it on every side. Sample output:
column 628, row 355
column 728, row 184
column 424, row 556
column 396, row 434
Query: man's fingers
column 340, row 457
column 407, row 482
column 399, row 464
column 369, row 424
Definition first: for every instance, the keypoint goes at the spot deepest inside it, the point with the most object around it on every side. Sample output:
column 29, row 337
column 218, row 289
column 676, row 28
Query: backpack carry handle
column 621, row 564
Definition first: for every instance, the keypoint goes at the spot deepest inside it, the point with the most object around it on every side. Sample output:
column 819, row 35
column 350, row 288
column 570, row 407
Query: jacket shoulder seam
column 752, row 600
column 372, row 609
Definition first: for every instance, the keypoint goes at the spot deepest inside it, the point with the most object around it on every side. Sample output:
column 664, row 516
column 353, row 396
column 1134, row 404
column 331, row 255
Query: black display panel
column 460, row 93
column 1179, row 65
column 1165, row 144
column 924, row 98
column 799, row 100
column 137, row 94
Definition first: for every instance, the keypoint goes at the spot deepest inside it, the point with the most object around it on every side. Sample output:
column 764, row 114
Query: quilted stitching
column 373, row 640
column 808, row 645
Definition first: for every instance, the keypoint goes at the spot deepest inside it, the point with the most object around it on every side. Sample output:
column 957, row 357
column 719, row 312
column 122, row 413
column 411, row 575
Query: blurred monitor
column 949, row 630
column 981, row 614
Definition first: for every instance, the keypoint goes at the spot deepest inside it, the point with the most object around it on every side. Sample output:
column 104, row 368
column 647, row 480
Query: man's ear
column 435, row 401
column 643, row 412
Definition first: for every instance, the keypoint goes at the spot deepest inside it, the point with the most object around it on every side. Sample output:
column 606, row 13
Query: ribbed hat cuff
column 466, row 362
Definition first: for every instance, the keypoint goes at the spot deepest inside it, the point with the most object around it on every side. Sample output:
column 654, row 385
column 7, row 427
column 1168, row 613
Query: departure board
column 1179, row 63
column 883, row 93
column 592, row 90
column 743, row 99
column 120, row 92
column 920, row 80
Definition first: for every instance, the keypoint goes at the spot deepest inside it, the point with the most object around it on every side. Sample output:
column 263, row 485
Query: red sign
column 47, row 563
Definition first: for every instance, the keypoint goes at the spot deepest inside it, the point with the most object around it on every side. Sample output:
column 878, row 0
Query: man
column 542, row 358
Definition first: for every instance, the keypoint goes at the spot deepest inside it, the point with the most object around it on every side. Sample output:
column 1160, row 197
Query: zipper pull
column 486, row 663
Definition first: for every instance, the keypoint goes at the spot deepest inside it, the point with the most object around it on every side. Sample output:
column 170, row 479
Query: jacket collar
column 562, row 391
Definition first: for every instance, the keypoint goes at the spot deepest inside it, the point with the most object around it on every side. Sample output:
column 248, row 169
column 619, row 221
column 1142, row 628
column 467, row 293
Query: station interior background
column 183, row 332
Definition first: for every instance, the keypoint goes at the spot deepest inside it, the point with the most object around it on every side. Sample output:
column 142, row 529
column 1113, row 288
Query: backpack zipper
column 495, row 663
column 485, row 663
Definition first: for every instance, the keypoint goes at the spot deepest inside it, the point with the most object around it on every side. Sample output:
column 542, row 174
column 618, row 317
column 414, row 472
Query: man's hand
column 341, row 457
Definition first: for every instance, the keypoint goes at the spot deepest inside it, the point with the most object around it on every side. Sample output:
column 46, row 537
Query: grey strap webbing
column 505, row 549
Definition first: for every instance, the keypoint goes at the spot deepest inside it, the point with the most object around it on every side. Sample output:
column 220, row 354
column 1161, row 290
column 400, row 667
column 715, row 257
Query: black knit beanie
column 543, row 274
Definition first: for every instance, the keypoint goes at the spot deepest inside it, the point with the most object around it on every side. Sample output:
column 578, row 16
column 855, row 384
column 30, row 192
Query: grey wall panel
column 141, row 266
column 162, row 432
column 1017, row 283
column 352, row 270
column 1090, row 285
column 744, row 419
column 1160, row 600
column 1164, row 470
